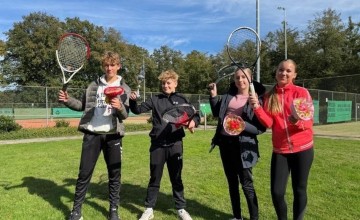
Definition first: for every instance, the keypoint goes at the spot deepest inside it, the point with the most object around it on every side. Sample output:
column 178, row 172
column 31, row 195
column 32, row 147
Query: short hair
column 168, row 74
column 110, row 57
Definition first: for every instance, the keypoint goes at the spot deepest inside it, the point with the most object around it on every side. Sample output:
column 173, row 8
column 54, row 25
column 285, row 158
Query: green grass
column 38, row 181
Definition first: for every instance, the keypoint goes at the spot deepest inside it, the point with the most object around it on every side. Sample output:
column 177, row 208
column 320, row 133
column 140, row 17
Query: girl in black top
column 239, row 152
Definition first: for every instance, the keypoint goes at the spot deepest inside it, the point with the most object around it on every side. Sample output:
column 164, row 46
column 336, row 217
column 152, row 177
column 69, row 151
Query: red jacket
column 287, row 137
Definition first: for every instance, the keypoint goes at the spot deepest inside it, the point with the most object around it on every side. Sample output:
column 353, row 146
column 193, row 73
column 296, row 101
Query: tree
column 30, row 57
column 166, row 58
column 325, row 42
column 198, row 69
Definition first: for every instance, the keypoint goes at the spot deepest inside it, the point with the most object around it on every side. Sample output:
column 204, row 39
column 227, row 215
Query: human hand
column 254, row 100
column 212, row 89
column 116, row 103
column 133, row 95
column 191, row 126
column 63, row 96
column 292, row 119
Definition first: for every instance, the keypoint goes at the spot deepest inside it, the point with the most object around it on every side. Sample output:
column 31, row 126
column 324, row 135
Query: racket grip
column 64, row 87
column 252, row 89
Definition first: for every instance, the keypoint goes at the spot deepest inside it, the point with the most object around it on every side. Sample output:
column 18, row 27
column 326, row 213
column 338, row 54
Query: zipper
column 285, row 123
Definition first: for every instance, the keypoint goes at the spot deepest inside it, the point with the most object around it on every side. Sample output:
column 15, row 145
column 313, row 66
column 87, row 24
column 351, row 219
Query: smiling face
column 241, row 81
column 168, row 86
column 286, row 73
column 169, row 81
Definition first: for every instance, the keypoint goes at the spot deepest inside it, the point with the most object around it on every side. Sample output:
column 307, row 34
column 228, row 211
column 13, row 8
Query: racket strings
column 179, row 115
column 242, row 47
column 72, row 53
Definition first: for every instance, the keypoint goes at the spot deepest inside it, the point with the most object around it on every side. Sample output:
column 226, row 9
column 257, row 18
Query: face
column 285, row 73
column 240, row 79
column 111, row 70
column 168, row 86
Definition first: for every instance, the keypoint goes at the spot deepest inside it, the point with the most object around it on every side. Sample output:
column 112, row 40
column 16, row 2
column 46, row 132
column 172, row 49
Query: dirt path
column 74, row 122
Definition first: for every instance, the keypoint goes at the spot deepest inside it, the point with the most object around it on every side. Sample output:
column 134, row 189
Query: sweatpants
column 172, row 156
column 93, row 144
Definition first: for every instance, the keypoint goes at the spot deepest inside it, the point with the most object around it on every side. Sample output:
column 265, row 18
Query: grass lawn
column 37, row 181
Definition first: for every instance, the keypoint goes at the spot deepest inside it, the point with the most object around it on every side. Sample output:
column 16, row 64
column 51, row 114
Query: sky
column 184, row 25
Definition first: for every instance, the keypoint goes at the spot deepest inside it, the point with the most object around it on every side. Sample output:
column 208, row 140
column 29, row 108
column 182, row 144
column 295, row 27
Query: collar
column 287, row 87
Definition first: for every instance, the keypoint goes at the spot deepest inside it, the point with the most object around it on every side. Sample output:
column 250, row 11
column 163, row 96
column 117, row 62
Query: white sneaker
column 184, row 215
column 148, row 214
column 236, row 219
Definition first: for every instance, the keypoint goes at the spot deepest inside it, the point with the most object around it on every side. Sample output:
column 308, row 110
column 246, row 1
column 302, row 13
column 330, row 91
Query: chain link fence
column 41, row 103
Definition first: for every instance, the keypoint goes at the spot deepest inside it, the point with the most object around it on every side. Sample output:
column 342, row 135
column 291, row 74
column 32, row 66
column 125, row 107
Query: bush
column 59, row 132
column 62, row 123
column 8, row 124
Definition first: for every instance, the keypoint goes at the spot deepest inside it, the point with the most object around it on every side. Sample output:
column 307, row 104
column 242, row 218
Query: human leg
column 300, row 170
column 175, row 165
column 279, row 176
column 112, row 155
column 246, row 179
column 230, row 157
column 157, row 161
column 89, row 155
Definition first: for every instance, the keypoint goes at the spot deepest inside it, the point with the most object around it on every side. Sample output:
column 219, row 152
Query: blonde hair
column 110, row 57
column 274, row 105
column 168, row 74
column 244, row 70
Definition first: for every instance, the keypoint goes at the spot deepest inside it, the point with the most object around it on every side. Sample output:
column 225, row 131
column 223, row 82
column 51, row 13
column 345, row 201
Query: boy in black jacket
column 166, row 143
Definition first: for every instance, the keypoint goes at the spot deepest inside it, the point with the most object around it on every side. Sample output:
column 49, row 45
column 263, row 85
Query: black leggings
column 298, row 164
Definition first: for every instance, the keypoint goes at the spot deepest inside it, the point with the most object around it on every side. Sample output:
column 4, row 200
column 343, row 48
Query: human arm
column 262, row 116
column 70, row 102
column 141, row 108
column 214, row 100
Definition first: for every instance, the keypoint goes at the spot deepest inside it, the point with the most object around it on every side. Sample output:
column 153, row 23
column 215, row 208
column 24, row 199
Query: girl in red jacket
column 292, row 139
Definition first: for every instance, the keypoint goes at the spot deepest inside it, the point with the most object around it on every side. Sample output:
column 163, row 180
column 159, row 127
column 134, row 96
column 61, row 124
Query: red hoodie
column 287, row 137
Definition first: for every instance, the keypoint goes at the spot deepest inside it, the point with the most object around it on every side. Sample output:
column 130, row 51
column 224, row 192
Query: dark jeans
column 298, row 164
column 172, row 156
column 92, row 145
column 231, row 159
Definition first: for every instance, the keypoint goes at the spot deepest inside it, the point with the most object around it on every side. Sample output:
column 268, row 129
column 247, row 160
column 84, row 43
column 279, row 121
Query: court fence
column 41, row 103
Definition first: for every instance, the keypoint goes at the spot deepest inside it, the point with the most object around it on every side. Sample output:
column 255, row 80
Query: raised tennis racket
column 72, row 52
column 180, row 115
column 242, row 47
column 224, row 72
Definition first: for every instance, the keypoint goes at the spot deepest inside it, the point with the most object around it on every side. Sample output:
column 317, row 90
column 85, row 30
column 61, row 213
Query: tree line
column 328, row 49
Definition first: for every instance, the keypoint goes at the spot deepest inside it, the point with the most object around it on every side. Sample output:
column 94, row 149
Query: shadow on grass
column 131, row 197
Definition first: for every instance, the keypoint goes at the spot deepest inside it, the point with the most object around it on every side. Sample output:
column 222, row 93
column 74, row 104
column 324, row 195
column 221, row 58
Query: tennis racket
column 180, row 115
column 242, row 48
column 224, row 72
column 72, row 52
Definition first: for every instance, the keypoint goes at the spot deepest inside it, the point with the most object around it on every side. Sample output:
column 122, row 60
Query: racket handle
column 64, row 87
column 252, row 89
column 138, row 92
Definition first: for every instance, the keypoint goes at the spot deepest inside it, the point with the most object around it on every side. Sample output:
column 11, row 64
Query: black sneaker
column 74, row 215
column 113, row 215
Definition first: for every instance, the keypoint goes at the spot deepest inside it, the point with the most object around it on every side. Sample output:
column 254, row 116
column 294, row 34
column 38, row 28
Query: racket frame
column 241, row 65
column 64, row 69
column 184, row 123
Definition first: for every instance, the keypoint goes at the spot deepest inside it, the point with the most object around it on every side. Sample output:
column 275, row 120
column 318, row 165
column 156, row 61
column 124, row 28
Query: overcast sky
column 184, row 25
